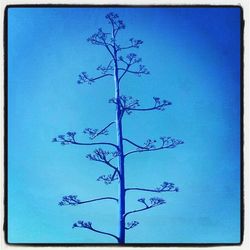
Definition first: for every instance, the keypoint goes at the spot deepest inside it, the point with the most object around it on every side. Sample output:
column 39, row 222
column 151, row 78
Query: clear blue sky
column 193, row 55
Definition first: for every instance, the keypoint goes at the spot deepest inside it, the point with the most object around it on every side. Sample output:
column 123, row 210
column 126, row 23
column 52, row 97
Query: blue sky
column 193, row 55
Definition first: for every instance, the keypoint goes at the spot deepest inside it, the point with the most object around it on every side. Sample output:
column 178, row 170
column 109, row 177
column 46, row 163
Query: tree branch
column 150, row 190
column 146, row 150
column 167, row 142
column 96, row 78
column 134, row 44
column 125, row 71
column 155, row 201
column 98, row 199
column 71, row 140
column 105, row 162
column 142, row 70
column 165, row 187
column 136, row 210
column 100, row 155
column 103, row 130
column 101, row 232
column 146, row 109
column 88, row 225
column 131, row 224
column 132, row 143
column 159, row 105
column 105, row 69
column 91, row 144
column 108, row 179
column 100, row 38
column 107, row 47
column 115, row 22
column 84, row 78
column 129, row 104
column 126, row 102
column 132, row 59
column 73, row 200
column 109, row 164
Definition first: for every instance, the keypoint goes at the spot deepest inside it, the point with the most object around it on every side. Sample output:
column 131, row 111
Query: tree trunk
column 120, row 158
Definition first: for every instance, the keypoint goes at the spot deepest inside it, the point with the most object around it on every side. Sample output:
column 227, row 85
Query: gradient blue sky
column 193, row 55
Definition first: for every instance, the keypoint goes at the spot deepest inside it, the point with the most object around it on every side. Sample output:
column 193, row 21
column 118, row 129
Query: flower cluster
column 149, row 144
column 93, row 132
column 131, row 224
column 84, row 78
column 142, row 200
column 154, row 201
column 135, row 43
column 98, row 38
column 101, row 155
column 83, row 224
column 117, row 23
column 65, row 139
column 108, row 179
column 131, row 59
column 127, row 103
column 160, row 104
column 105, row 69
column 142, row 70
column 69, row 200
column 167, row 186
column 170, row 142
column 90, row 131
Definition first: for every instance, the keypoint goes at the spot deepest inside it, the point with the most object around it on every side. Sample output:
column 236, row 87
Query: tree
column 119, row 66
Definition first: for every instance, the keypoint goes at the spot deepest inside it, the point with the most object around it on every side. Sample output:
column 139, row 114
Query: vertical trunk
column 121, row 156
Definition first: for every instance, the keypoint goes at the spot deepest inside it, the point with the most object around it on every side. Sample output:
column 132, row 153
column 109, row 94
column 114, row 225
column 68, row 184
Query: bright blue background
column 193, row 55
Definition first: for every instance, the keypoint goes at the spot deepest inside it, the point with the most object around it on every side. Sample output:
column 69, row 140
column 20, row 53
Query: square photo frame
column 123, row 125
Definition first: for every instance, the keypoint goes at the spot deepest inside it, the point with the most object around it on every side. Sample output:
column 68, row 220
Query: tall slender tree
column 117, row 67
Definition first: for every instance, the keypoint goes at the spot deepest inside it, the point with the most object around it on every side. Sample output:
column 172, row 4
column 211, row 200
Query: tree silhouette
column 118, row 66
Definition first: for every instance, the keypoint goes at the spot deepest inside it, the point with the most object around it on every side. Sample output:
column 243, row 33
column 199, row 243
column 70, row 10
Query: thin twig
column 91, row 144
column 148, row 109
column 147, row 150
column 98, row 199
column 109, row 164
column 134, row 144
column 125, row 71
column 88, row 225
column 103, row 130
column 96, row 78
column 101, row 232
column 150, row 190
column 135, row 211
